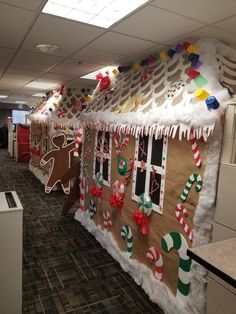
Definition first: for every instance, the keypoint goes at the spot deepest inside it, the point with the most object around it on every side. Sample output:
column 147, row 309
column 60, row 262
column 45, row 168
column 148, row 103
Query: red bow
column 141, row 221
column 96, row 191
column 105, row 81
column 116, row 202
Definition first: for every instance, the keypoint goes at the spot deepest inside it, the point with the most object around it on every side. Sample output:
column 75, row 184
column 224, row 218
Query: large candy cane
column 83, row 190
column 177, row 241
column 179, row 210
column 154, row 255
column 194, row 177
column 195, row 150
column 92, row 208
column 78, row 142
column 107, row 222
column 127, row 233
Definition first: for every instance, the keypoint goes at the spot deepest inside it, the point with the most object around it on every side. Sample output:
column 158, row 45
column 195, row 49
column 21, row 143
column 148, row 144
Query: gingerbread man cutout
column 61, row 158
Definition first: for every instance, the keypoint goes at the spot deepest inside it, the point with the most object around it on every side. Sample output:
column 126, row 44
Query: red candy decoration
column 105, row 81
column 141, row 221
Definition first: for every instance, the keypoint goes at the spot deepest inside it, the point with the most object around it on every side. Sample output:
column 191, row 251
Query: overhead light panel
column 3, row 96
column 101, row 13
column 92, row 75
column 41, row 85
column 39, row 95
column 47, row 48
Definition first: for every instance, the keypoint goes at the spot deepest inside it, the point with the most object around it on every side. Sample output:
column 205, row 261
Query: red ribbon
column 116, row 202
column 96, row 192
column 141, row 221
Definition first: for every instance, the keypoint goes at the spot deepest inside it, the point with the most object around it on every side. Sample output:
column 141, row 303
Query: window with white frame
column 102, row 156
column 149, row 169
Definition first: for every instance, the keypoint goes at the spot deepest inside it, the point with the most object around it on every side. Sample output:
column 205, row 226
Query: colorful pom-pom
column 115, row 71
column 196, row 64
column 163, row 55
column 202, row 94
column 179, row 48
column 193, row 57
column 192, row 48
column 212, row 103
column 171, row 52
column 186, row 45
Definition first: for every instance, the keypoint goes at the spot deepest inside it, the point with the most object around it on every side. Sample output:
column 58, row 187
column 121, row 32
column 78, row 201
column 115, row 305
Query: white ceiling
column 84, row 48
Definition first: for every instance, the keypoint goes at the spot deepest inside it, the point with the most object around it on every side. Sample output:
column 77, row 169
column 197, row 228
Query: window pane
column 105, row 170
column 143, row 148
column 140, row 182
column 154, row 188
column 157, row 146
column 97, row 166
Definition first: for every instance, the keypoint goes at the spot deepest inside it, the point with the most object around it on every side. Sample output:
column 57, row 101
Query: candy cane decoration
column 154, row 255
column 179, row 210
column 78, row 142
column 83, row 190
column 127, row 233
column 129, row 172
column 195, row 150
column 194, row 177
column 107, row 222
column 118, row 189
column 92, row 208
column 177, row 241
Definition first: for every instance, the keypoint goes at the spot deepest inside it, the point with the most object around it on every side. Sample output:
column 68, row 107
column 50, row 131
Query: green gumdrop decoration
column 200, row 81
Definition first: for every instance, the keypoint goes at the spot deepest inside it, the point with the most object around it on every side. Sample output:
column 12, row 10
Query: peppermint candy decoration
column 118, row 189
column 175, row 89
column 99, row 179
column 145, row 204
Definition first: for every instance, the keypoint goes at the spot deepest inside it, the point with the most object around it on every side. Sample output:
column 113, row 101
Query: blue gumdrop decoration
column 212, row 103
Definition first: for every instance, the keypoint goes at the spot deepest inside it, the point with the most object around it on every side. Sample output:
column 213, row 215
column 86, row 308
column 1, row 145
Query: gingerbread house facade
column 150, row 156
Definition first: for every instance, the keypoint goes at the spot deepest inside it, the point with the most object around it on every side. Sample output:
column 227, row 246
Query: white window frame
column 148, row 167
column 108, row 155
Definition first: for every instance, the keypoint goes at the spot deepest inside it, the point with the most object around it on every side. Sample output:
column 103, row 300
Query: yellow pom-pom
column 202, row 94
column 192, row 48
column 89, row 97
column 163, row 55
column 137, row 66
column 115, row 71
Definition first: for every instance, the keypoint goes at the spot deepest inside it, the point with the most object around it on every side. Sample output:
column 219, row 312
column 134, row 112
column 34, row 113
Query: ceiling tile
column 83, row 83
column 151, row 23
column 207, row 11
column 34, row 61
column 26, row 4
column 14, row 23
column 68, row 35
column 5, row 55
column 228, row 24
column 71, row 67
column 121, row 44
column 95, row 55
column 55, row 77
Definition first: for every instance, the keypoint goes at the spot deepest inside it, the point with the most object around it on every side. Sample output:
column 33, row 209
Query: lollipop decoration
column 117, row 197
column 144, row 210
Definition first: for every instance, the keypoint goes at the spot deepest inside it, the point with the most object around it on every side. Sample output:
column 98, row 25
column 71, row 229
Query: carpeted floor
column 65, row 270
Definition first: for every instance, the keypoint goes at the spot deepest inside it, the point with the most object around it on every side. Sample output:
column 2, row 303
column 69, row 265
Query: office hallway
column 65, row 270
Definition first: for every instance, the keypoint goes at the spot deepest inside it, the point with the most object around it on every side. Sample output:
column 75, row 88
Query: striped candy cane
column 177, row 241
column 78, row 142
column 179, row 210
column 154, row 255
column 195, row 150
column 127, row 233
column 83, row 190
column 107, row 222
column 92, row 208
column 194, row 177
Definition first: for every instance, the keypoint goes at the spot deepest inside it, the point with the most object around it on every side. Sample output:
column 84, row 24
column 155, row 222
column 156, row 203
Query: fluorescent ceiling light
column 47, row 48
column 3, row 96
column 101, row 13
column 41, row 85
column 39, row 95
column 20, row 102
column 92, row 75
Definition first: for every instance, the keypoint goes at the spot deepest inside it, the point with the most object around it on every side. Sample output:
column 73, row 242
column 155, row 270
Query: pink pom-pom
column 99, row 76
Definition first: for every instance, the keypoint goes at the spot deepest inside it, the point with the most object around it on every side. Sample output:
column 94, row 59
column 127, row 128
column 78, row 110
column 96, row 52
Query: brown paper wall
column 180, row 165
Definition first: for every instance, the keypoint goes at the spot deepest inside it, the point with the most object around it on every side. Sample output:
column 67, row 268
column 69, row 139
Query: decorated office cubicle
column 150, row 153
column 55, row 119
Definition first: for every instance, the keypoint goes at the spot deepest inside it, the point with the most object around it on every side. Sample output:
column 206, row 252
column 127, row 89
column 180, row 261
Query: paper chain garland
column 193, row 178
column 177, row 241
column 154, row 255
column 127, row 233
column 179, row 211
